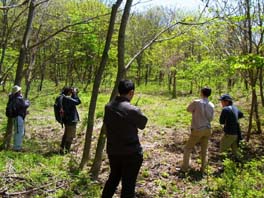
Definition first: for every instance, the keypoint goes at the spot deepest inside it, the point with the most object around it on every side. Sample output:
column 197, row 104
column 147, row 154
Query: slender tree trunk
column 29, row 72
column 169, row 81
column 96, row 85
column 261, row 86
column 139, row 65
column 250, row 116
column 3, row 38
column 174, row 84
column 42, row 70
column 120, row 74
column 8, row 135
column 258, row 122
column 147, row 74
column 25, row 42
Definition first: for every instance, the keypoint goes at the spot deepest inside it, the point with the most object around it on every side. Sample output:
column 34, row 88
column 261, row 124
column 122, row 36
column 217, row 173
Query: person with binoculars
column 70, row 117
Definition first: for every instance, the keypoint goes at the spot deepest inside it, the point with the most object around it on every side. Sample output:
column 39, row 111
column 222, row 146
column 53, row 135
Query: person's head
column 67, row 91
column 206, row 92
column 16, row 90
column 126, row 88
column 226, row 100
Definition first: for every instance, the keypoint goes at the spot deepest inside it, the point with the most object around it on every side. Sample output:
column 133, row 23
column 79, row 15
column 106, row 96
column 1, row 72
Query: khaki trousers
column 196, row 137
column 229, row 141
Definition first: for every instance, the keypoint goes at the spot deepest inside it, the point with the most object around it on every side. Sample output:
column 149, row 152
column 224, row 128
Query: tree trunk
column 25, row 42
column 95, row 169
column 258, row 122
column 261, row 86
column 8, row 135
column 96, row 85
column 3, row 38
column 42, row 71
column 251, row 115
column 120, row 74
column 139, row 60
column 147, row 74
column 174, row 84
column 169, row 81
column 29, row 72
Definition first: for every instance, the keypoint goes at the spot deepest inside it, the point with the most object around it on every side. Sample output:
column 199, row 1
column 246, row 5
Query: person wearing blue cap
column 229, row 118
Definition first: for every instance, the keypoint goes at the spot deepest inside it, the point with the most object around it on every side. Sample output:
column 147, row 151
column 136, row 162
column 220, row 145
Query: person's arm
column 191, row 107
column 223, row 115
column 240, row 114
column 75, row 99
column 137, row 118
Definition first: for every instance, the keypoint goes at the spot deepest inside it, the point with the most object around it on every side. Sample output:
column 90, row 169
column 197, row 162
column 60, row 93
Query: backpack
column 58, row 109
column 11, row 111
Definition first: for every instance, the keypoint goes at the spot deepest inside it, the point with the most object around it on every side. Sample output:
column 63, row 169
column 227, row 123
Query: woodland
column 170, row 53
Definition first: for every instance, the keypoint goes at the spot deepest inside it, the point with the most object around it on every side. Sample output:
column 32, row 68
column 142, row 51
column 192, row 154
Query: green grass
column 40, row 165
column 240, row 180
column 32, row 170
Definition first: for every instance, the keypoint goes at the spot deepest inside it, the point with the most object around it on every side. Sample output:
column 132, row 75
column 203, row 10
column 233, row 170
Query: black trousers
column 126, row 169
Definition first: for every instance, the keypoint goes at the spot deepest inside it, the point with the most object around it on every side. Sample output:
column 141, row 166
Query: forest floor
column 163, row 152
column 163, row 142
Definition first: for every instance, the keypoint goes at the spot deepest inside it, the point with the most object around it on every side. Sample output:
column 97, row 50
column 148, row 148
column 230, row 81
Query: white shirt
column 202, row 114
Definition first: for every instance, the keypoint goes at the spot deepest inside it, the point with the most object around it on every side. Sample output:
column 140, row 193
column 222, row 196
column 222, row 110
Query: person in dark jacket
column 229, row 118
column 21, row 106
column 70, row 117
column 124, row 150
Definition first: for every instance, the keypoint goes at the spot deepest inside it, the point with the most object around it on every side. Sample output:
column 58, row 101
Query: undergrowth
column 240, row 180
column 42, row 172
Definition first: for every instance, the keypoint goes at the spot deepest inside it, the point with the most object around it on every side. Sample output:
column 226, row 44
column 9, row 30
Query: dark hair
column 67, row 90
column 206, row 91
column 125, row 86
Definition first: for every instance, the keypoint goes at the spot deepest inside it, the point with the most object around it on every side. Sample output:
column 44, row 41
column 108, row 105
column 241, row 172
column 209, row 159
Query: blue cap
column 226, row 97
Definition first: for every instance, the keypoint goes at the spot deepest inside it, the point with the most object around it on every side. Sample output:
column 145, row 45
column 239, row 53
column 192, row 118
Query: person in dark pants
column 124, row 150
column 70, row 117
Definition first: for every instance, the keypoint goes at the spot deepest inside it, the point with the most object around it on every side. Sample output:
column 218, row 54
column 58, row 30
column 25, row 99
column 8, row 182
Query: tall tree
column 96, row 85
column 25, row 43
column 120, row 74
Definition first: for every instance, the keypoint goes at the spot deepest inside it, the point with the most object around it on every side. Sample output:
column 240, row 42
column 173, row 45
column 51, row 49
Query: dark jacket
column 21, row 104
column 122, row 122
column 229, row 118
column 71, row 115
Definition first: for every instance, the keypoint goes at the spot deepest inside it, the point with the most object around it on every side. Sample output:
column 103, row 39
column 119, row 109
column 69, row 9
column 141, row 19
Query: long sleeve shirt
column 229, row 118
column 71, row 115
column 202, row 114
column 122, row 123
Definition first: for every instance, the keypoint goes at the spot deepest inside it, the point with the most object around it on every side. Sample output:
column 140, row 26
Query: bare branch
column 41, row 2
column 155, row 39
column 85, row 21
column 13, row 6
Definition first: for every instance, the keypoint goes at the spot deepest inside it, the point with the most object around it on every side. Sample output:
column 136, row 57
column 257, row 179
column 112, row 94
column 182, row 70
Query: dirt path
column 159, row 175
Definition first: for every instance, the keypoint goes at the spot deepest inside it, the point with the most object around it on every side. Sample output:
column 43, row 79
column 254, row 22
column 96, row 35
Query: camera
column 75, row 90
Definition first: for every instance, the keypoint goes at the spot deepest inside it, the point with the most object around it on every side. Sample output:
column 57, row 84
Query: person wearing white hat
column 20, row 105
